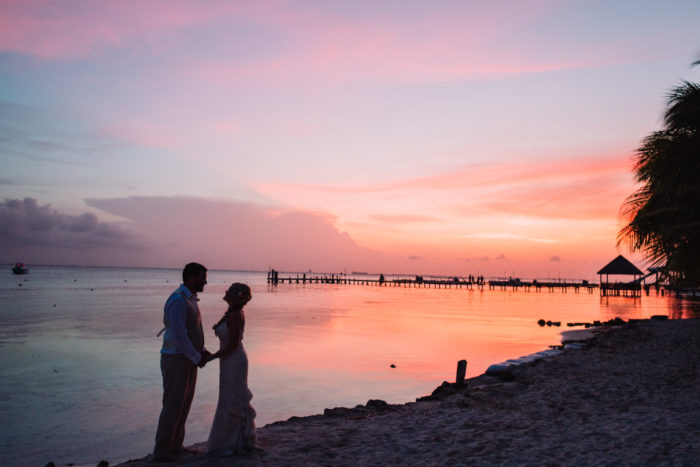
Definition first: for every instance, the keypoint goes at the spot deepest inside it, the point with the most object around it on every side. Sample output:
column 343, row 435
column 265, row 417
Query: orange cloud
column 488, row 209
column 404, row 219
column 481, row 175
column 596, row 197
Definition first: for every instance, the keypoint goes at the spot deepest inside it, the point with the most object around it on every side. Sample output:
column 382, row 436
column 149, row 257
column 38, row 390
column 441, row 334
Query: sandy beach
column 629, row 397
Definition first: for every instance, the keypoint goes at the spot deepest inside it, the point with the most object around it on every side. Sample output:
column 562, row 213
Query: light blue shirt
column 175, row 340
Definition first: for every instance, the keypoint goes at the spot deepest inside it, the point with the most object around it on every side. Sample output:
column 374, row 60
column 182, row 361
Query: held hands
column 206, row 358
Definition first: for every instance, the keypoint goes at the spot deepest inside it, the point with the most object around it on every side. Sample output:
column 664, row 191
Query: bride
column 233, row 430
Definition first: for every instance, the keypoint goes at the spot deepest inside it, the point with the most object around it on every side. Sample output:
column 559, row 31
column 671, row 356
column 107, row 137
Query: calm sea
column 79, row 356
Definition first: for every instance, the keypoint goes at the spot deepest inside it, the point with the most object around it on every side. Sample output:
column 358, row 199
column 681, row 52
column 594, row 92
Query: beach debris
column 575, row 346
column 103, row 463
column 50, row 464
column 55, row 370
column 504, row 370
column 377, row 404
column 461, row 372
column 443, row 391
column 578, row 335
column 501, row 370
column 359, row 412
column 542, row 322
column 392, row 366
column 20, row 285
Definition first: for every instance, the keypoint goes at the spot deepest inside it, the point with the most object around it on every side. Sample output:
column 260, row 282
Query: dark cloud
column 26, row 223
column 171, row 231
column 555, row 259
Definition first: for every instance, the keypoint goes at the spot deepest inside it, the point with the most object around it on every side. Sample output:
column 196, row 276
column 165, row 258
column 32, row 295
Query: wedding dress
column 233, row 429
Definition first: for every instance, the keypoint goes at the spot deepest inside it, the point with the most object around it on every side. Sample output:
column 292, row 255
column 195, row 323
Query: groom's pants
column 179, row 380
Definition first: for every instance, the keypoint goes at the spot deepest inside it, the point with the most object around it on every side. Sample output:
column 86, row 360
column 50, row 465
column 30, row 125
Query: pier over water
column 470, row 282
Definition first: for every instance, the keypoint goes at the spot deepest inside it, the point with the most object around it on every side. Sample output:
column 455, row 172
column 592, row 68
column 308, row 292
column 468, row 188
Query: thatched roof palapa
column 621, row 266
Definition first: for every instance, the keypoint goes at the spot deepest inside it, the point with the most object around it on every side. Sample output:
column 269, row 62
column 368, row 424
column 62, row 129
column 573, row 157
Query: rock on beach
column 630, row 398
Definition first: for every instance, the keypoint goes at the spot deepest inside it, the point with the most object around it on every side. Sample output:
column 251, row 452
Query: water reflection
column 310, row 346
column 619, row 307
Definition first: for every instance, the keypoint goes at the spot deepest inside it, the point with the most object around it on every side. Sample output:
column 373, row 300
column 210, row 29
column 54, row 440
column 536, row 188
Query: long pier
column 429, row 283
column 474, row 282
column 419, row 282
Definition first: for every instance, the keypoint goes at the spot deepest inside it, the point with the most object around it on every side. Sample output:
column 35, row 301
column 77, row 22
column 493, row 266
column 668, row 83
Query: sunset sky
column 427, row 137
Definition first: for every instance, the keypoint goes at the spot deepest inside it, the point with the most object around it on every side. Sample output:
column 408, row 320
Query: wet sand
column 630, row 397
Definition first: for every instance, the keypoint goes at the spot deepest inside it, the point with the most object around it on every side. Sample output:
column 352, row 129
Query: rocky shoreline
column 628, row 397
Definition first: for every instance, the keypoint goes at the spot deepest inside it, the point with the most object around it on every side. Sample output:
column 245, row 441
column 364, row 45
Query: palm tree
column 663, row 216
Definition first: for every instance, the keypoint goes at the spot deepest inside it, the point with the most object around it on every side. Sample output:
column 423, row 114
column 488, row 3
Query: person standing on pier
column 182, row 352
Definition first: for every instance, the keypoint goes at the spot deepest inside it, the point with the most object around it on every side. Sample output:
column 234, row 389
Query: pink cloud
column 480, row 176
column 230, row 234
column 56, row 30
column 424, row 46
column 313, row 41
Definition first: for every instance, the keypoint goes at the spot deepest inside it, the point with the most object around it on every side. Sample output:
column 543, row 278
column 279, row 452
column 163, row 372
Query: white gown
column 233, row 429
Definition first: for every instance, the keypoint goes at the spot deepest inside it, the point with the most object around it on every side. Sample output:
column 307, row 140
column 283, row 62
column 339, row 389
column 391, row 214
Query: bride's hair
column 242, row 293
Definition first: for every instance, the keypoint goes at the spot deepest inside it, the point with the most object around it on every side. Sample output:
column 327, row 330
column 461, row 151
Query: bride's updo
column 237, row 295
column 241, row 292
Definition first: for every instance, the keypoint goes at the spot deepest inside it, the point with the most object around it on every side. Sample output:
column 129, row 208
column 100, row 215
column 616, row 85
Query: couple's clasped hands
column 206, row 358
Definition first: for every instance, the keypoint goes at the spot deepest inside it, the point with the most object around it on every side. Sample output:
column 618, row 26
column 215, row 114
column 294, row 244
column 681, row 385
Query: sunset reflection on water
column 342, row 343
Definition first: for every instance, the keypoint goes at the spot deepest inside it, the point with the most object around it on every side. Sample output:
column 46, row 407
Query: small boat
column 20, row 268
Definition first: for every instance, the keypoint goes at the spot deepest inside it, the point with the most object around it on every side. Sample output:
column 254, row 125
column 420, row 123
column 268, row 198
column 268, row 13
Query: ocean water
column 79, row 356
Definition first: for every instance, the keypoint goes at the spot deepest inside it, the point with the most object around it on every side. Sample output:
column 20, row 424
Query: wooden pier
column 617, row 289
column 564, row 286
column 343, row 280
column 420, row 282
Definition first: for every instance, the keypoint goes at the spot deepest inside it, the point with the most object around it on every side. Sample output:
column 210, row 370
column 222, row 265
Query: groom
column 183, row 351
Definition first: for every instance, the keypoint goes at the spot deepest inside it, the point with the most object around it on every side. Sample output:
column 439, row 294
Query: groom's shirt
column 178, row 337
